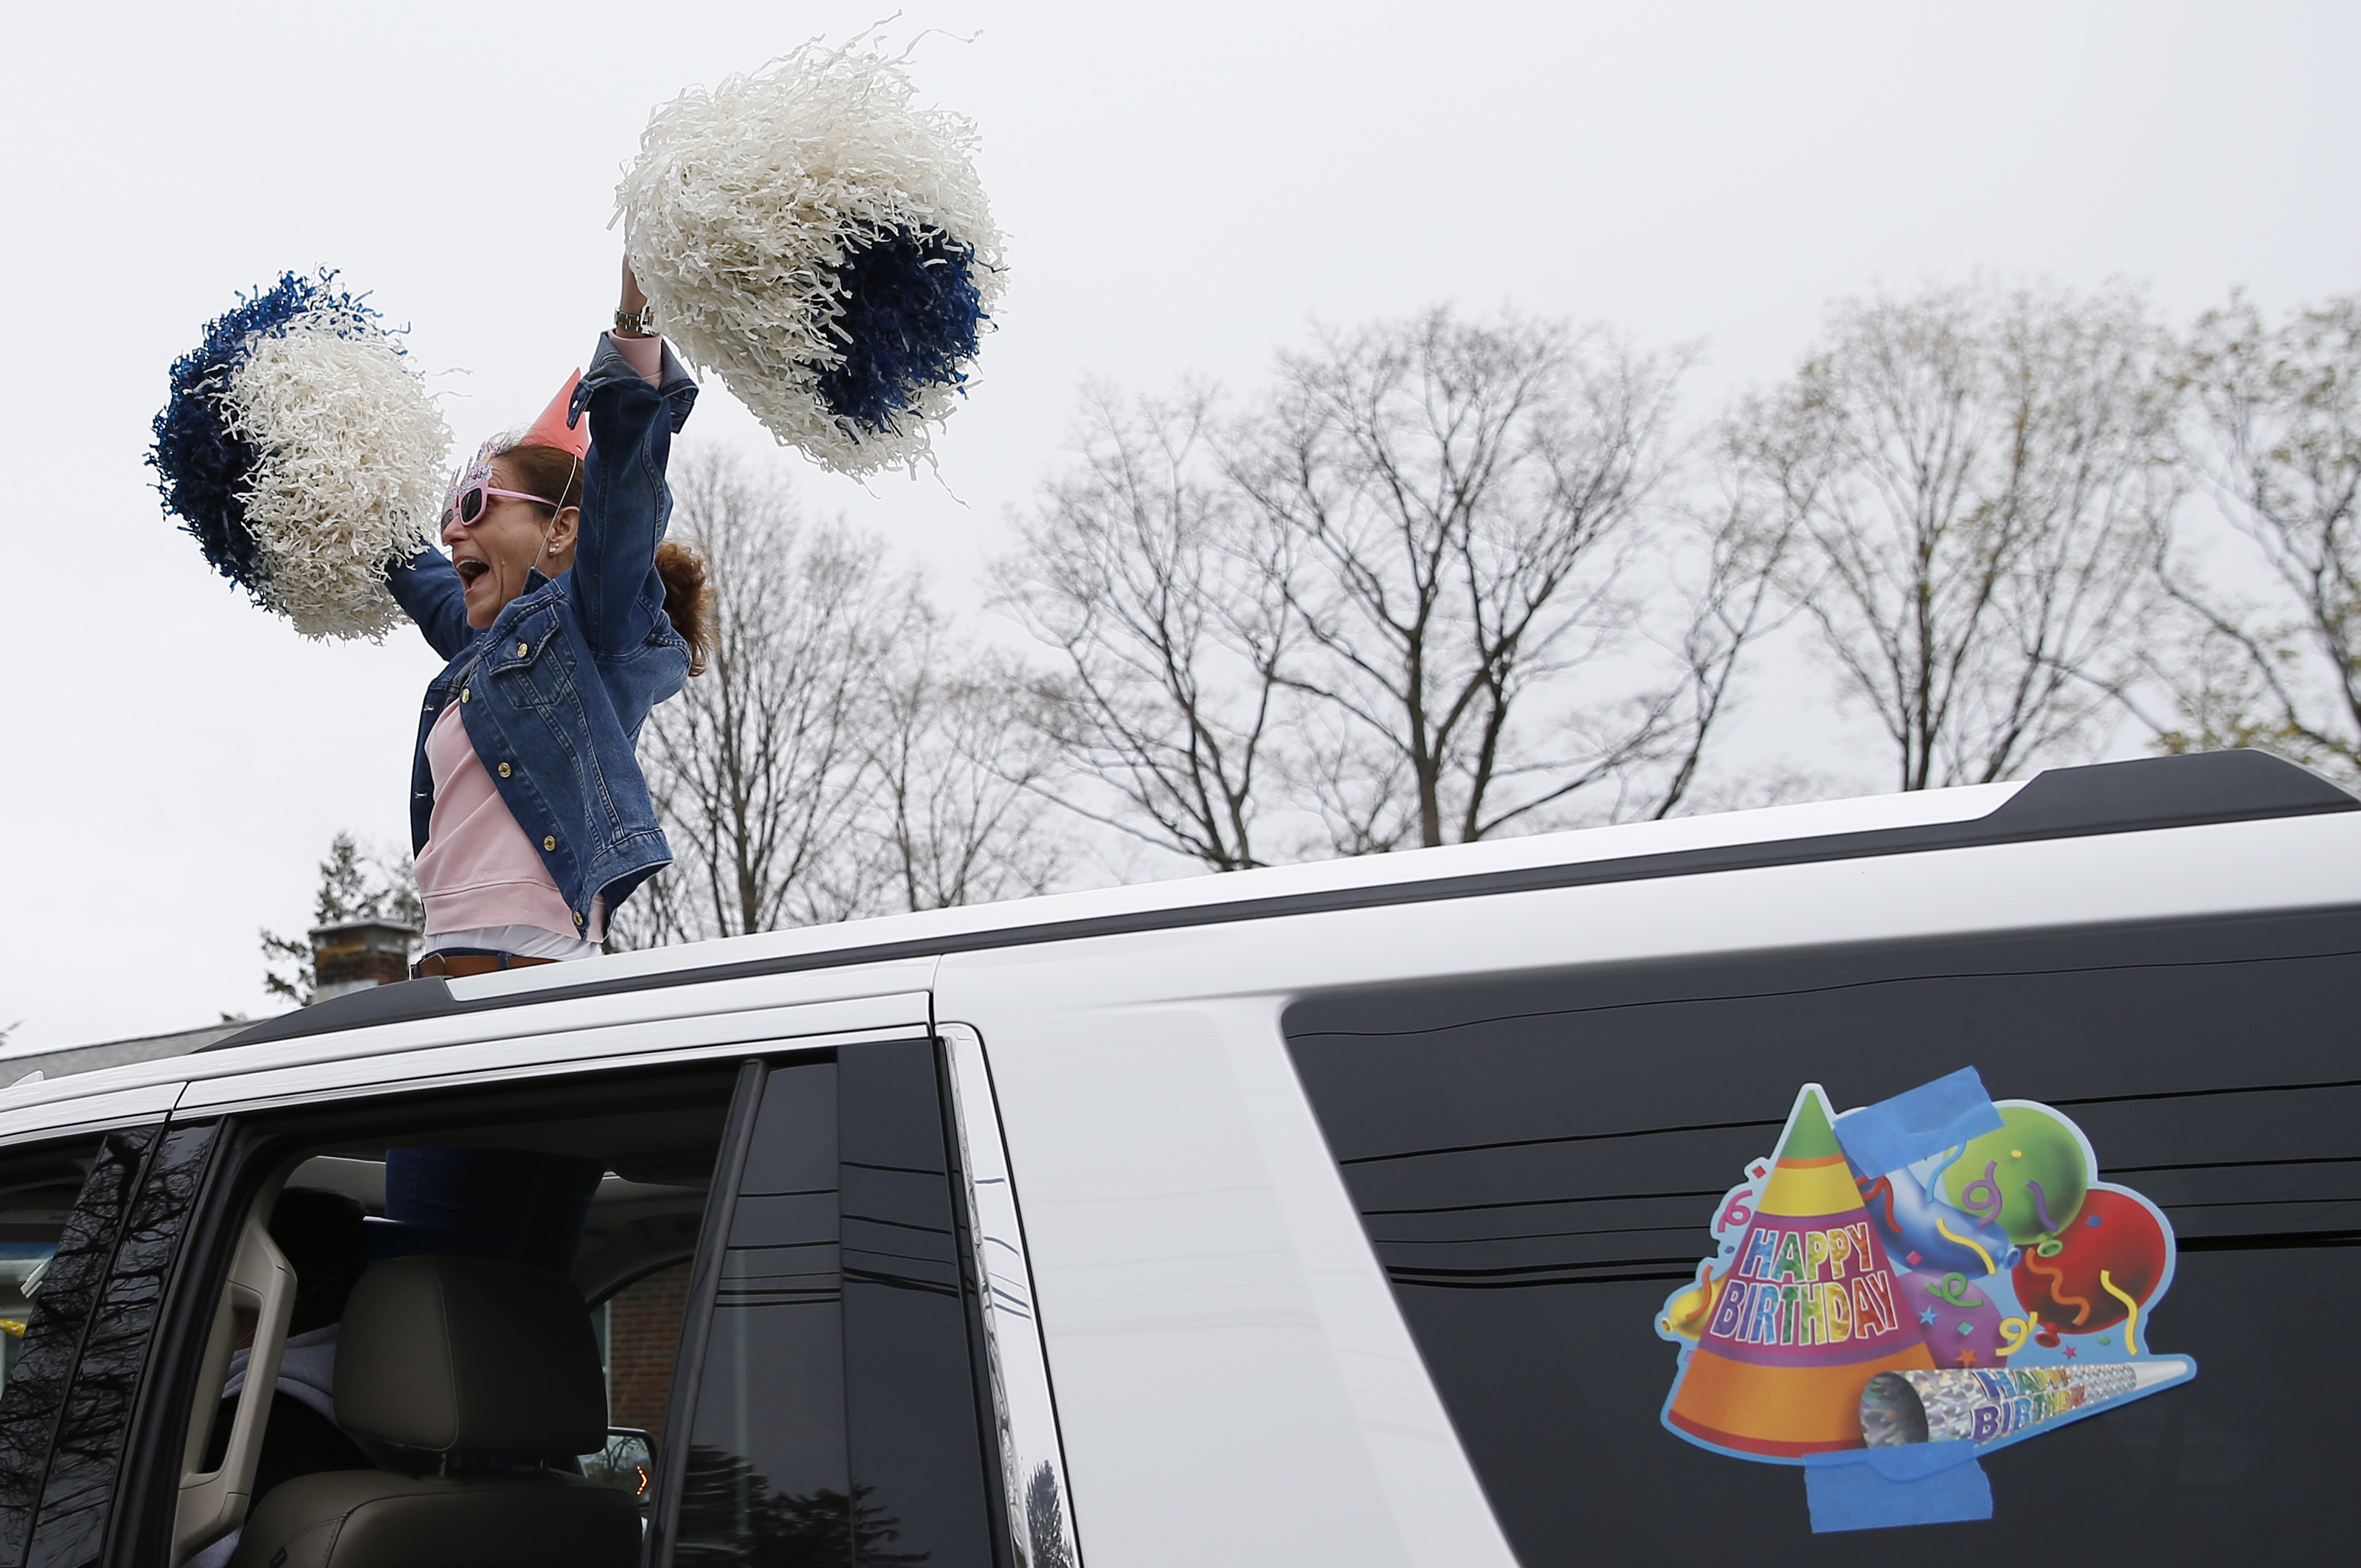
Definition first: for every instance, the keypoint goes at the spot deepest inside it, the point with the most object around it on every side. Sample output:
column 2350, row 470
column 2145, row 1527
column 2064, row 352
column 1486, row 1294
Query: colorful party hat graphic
column 1805, row 1315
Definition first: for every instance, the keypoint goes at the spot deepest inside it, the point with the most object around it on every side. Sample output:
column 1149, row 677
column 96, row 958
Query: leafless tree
column 1971, row 474
column 2275, row 437
column 1463, row 504
column 1730, row 555
column 1419, row 594
column 762, row 767
column 958, row 813
column 844, row 754
column 1168, row 620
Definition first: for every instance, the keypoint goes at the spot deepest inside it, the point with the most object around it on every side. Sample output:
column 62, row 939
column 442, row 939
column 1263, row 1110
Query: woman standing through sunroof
column 566, row 616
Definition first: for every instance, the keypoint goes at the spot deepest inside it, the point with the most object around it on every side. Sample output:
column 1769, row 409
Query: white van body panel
column 27, row 1114
column 1217, row 1323
column 664, row 1023
column 527, row 1053
column 21, row 1104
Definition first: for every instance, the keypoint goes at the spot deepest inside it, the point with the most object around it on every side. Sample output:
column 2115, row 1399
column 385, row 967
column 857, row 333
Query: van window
column 88, row 1338
column 640, row 1330
column 842, row 1408
column 36, row 1192
column 467, row 1244
column 74, row 1199
column 1536, row 1163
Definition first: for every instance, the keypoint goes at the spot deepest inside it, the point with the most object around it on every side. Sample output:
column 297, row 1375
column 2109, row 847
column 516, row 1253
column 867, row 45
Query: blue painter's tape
column 1921, row 1122
column 1879, row 1488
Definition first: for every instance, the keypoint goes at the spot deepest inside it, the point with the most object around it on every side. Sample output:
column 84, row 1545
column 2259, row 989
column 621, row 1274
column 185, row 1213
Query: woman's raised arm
column 634, row 409
column 428, row 587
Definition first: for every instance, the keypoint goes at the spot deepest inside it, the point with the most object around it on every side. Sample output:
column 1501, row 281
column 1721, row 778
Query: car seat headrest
column 470, row 1357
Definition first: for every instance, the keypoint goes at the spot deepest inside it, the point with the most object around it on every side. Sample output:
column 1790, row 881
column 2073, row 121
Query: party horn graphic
column 1988, row 1408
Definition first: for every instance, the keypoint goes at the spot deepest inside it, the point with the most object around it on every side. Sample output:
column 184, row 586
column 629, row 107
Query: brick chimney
column 357, row 954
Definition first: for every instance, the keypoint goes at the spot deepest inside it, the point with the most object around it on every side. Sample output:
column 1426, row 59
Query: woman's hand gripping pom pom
column 821, row 244
column 304, row 455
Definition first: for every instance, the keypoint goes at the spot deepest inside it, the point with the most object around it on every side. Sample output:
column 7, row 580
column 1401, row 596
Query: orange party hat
column 1806, row 1316
column 550, row 429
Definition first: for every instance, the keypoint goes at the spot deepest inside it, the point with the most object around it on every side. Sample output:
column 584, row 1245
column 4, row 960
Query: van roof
column 2109, row 798
column 2114, row 797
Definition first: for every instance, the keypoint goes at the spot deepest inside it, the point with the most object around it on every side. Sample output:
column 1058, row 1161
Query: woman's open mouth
column 470, row 570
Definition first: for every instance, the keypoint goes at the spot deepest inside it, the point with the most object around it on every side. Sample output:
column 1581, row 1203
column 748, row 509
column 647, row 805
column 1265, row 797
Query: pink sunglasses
column 468, row 505
column 472, row 491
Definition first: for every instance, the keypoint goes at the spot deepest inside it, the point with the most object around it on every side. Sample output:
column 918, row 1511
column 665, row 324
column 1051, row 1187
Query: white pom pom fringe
column 743, row 201
column 349, row 479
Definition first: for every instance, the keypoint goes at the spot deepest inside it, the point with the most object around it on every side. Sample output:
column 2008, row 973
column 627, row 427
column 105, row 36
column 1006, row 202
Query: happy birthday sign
column 1939, row 1268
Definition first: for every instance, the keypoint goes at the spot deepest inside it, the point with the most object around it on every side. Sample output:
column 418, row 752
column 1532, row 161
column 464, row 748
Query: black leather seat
column 475, row 1370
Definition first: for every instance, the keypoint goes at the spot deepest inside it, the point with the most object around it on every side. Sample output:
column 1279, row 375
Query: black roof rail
column 2197, row 790
column 2193, row 791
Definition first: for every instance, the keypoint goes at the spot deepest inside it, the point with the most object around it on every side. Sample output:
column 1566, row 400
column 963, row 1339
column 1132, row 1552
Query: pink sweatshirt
column 478, row 871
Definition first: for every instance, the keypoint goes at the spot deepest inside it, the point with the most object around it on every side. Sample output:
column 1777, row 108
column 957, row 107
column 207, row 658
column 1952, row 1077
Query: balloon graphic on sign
column 2103, row 1267
column 1958, row 1317
column 2028, row 1177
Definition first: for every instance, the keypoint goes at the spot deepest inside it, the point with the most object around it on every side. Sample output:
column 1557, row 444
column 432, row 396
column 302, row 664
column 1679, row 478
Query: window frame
column 987, row 1396
column 252, row 1151
column 697, row 1307
column 261, row 1125
column 1035, row 1479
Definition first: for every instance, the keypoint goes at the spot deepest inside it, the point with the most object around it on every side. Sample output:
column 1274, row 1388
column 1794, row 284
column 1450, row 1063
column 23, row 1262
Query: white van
column 1335, row 1213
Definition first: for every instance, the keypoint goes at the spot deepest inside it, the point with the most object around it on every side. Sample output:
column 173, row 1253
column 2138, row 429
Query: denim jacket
column 553, row 692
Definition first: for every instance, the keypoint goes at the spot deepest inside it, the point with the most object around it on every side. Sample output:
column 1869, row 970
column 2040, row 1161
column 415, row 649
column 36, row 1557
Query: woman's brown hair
column 546, row 471
column 688, row 599
column 688, row 593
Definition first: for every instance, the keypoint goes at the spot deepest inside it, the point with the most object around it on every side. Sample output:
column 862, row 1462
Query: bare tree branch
column 1733, row 599
column 2274, row 438
column 762, row 767
column 1972, row 474
column 1403, row 595
column 1466, row 503
column 1169, row 621
column 960, row 816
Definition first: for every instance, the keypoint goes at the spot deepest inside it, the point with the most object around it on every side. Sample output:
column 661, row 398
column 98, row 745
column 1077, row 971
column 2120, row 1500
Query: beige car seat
column 477, row 1373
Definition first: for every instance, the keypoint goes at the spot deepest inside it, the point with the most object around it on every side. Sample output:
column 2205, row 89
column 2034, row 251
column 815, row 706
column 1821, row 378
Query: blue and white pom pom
column 304, row 455
column 823, row 244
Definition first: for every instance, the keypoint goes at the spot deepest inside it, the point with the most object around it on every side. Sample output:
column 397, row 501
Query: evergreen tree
column 354, row 885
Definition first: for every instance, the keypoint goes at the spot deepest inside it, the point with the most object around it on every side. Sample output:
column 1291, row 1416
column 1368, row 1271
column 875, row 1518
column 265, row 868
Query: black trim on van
column 2197, row 790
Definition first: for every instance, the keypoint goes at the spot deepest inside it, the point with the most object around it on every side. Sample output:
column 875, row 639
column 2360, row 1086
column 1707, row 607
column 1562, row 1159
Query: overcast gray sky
column 1184, row 188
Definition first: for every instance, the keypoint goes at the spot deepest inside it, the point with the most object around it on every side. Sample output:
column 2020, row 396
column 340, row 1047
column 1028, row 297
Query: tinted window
column 836, row 1416
column 1537, row 1162
column 37, row 1191
column 43, row 1341
column 766, row 1471
column 87, row 1337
